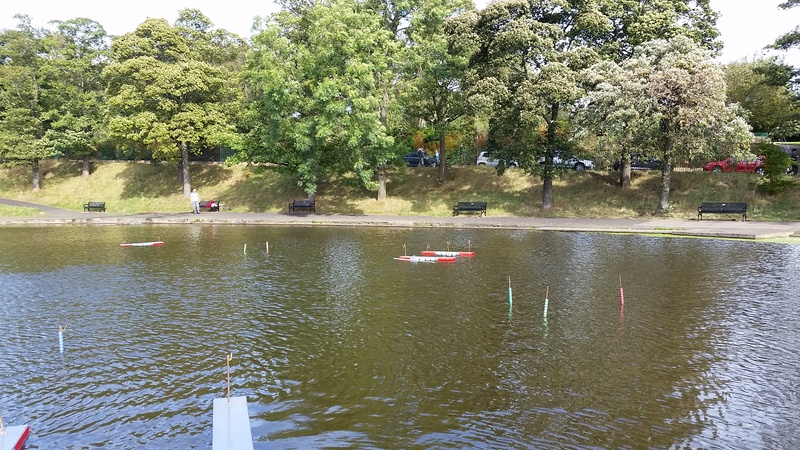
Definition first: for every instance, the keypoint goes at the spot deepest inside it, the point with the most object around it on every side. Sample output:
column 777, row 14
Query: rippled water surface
column 336, row 344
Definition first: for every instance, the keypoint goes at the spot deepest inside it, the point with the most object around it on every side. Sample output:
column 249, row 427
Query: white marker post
column 510, row 297
column 546, row 292
column 61, row 330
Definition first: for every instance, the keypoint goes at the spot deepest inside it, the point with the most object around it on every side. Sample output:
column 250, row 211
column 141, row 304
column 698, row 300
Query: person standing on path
column 194, row 197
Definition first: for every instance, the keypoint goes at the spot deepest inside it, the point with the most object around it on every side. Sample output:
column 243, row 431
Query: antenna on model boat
column 231, row 422
column 228, row 359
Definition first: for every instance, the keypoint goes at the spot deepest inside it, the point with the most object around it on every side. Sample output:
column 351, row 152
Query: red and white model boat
column 446, row 253
column 415, row 258
column 143, row 244
column 13, row 438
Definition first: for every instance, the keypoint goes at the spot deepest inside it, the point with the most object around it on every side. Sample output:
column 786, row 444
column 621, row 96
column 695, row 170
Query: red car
column 731, row 165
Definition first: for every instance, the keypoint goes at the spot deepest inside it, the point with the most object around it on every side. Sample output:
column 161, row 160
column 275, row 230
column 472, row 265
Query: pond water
column 336, row 344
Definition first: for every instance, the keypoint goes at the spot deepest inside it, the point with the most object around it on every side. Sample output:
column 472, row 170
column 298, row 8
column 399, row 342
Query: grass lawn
column 141, row 187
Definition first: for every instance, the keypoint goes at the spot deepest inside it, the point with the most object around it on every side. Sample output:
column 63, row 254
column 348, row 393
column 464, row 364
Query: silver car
column 571, row 162
column 484, row 160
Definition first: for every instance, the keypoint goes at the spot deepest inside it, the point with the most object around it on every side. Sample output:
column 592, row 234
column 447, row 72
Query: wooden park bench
column 479, row 207
column 210, row 205
column 309, row 205
column 722, row 208
column 95, row 206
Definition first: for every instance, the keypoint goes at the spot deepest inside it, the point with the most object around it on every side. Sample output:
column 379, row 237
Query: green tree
column 761, row 88
column 792, row 38
column 78, row 54
column 523, row 72
column 215, row 46
column 634, row 22
column 669, row 97
column 25, row 97
column 433, row 91
column 163, row 95
column 776, row 165
column 315, row 98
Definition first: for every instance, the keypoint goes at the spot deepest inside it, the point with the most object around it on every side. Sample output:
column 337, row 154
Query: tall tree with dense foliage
column 669, row 97
column 78, row 54
column 634, row 22
column 433, row 92
column 25, row 97
column 523, row 72
column 315, row 100
column 163, row 94
column 761, row 87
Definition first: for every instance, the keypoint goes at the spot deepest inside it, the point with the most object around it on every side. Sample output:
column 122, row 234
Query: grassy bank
column 141, row 187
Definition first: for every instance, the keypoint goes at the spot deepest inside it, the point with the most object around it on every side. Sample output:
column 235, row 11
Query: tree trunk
column 547, row 185
column 625, row 175
column 85, row 166
column 35, row 175
column 663, row 200
column 547, row 192
column 382, row 183
column 442, row 158
column 383, row 116
column 187, row 187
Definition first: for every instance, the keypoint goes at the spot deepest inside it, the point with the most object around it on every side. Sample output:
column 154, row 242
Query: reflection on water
column 338, row 345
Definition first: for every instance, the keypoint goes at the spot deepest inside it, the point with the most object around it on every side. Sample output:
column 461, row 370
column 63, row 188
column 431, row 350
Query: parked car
column 413, row 160
column 732, row 165
column 485, row 160
column 571, row 162
column 639, row 162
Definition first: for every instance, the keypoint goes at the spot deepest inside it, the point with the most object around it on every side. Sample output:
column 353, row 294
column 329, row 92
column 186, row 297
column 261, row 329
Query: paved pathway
column 680, row 227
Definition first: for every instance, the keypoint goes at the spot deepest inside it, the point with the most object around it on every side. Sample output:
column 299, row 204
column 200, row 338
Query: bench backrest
column 303, row 203
column 96, row 204
column 723, row 207
column 462, row 205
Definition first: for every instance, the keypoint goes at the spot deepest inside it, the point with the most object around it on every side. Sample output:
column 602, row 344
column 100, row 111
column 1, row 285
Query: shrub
column 776, row 164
